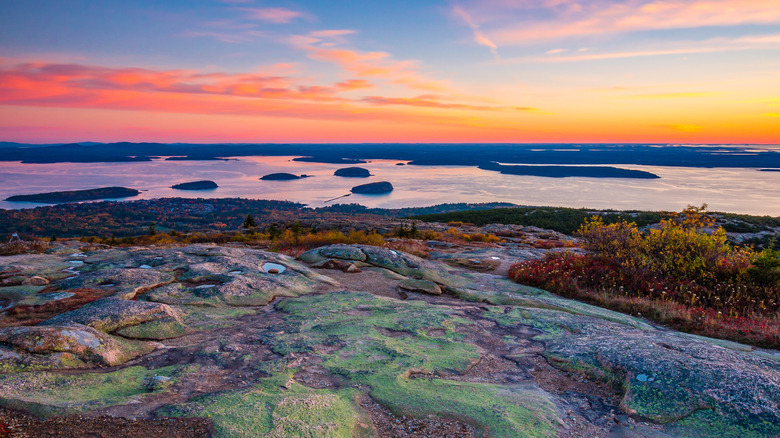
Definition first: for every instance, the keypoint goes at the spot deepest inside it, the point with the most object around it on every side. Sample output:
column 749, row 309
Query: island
column 76, row 195
column 196, row 185
column 375, row 188
column 568, row 171
column 327, row 159
column 282, row 177
column 353, row 172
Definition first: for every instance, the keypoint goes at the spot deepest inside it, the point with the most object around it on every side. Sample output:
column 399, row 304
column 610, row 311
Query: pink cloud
column 571, row 19
column 273, row 15
column 50, row 85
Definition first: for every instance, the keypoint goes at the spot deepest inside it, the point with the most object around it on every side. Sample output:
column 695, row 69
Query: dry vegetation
column 682, row 274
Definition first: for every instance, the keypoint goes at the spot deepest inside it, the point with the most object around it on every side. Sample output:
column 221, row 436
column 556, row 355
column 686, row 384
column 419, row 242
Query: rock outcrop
column 241, row 336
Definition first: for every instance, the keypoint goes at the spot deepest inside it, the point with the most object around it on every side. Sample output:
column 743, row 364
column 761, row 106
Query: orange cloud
column 44, row 85
column 431, row 102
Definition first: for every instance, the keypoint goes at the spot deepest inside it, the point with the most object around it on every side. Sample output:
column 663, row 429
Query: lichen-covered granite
column 355, row 340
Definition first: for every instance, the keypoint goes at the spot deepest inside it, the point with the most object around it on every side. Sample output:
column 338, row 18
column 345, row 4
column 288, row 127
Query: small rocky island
column 196, row 185
column 76, row 195
column 353, row 172
column 282, row 177
column 375, row 188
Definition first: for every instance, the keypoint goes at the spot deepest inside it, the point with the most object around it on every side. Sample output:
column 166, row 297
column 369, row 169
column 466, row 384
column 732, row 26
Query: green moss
column 46, row 394
column 702, row 423
column 165, row 328
column 384, row 342
column 279, row 407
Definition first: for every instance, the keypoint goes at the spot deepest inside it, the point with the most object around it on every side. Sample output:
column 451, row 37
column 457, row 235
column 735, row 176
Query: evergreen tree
column 249, row 222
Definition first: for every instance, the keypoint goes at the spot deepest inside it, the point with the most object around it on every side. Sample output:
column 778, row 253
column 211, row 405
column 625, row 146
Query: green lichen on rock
column 111, row 314
column 42, row 347
column 165, row 328
column 383, row 344
column 46, row 394
column 280, row 407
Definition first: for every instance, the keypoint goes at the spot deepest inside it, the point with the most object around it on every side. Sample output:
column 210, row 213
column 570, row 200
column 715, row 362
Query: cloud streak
column 272, row 15
column 44, row 84
column 479, row 37
column 531, row 22
column 715, row 45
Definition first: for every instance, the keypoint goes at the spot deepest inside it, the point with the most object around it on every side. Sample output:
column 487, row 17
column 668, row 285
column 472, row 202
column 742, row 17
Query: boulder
column 110, row 314
column 35, row 281
column 85, row 343
column 424, row 286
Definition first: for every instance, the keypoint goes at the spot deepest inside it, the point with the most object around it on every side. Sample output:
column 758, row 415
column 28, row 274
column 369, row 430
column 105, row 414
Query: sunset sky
column 677, row 71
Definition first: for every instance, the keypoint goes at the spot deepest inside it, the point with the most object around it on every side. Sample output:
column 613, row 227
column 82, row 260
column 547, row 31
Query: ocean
column 738, row 190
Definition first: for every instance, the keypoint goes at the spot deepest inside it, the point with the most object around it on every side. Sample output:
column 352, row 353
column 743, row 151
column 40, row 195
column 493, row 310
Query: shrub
column 682, row 273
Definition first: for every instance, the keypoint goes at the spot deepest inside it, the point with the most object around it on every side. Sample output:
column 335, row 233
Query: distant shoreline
column 704, row 156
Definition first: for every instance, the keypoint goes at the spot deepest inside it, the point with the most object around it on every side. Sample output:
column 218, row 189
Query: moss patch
column 280, row 407
column 46, row 394
column 384, row 341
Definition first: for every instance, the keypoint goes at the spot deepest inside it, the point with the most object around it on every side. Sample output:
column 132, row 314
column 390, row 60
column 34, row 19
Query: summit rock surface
column 261, row 344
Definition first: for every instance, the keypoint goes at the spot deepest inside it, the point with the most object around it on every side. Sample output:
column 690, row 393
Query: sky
column 506, row 71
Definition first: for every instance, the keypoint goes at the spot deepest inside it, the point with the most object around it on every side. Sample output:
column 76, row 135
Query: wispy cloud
column 324, row 46
column 682, row 95
column 565, row 19
column 273, row 15
column 436, row 102
column 479, row 37
column 713, row 45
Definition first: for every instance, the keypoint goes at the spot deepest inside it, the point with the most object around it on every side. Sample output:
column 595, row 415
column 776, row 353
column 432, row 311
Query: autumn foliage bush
column 682, row 273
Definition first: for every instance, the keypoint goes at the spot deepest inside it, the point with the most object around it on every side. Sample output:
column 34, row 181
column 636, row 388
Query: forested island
column 76, row 195
column 196, row 185
column 568, row 171
column 375, row 188
column 352, row 172
column 281, row 176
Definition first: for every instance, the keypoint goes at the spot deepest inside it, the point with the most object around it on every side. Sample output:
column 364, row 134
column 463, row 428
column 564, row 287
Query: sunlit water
column 733, row 190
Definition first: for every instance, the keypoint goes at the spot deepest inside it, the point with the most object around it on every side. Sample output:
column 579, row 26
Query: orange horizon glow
column 633, row 71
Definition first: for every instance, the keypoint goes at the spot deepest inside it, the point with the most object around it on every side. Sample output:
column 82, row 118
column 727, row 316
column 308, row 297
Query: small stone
column 35, row 281
column 352, row 269
column 273, row 271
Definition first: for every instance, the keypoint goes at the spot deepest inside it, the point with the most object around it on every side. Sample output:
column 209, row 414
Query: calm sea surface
column 732, row 190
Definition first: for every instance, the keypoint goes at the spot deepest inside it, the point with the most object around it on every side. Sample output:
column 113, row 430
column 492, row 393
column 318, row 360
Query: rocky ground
column 346, row 341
